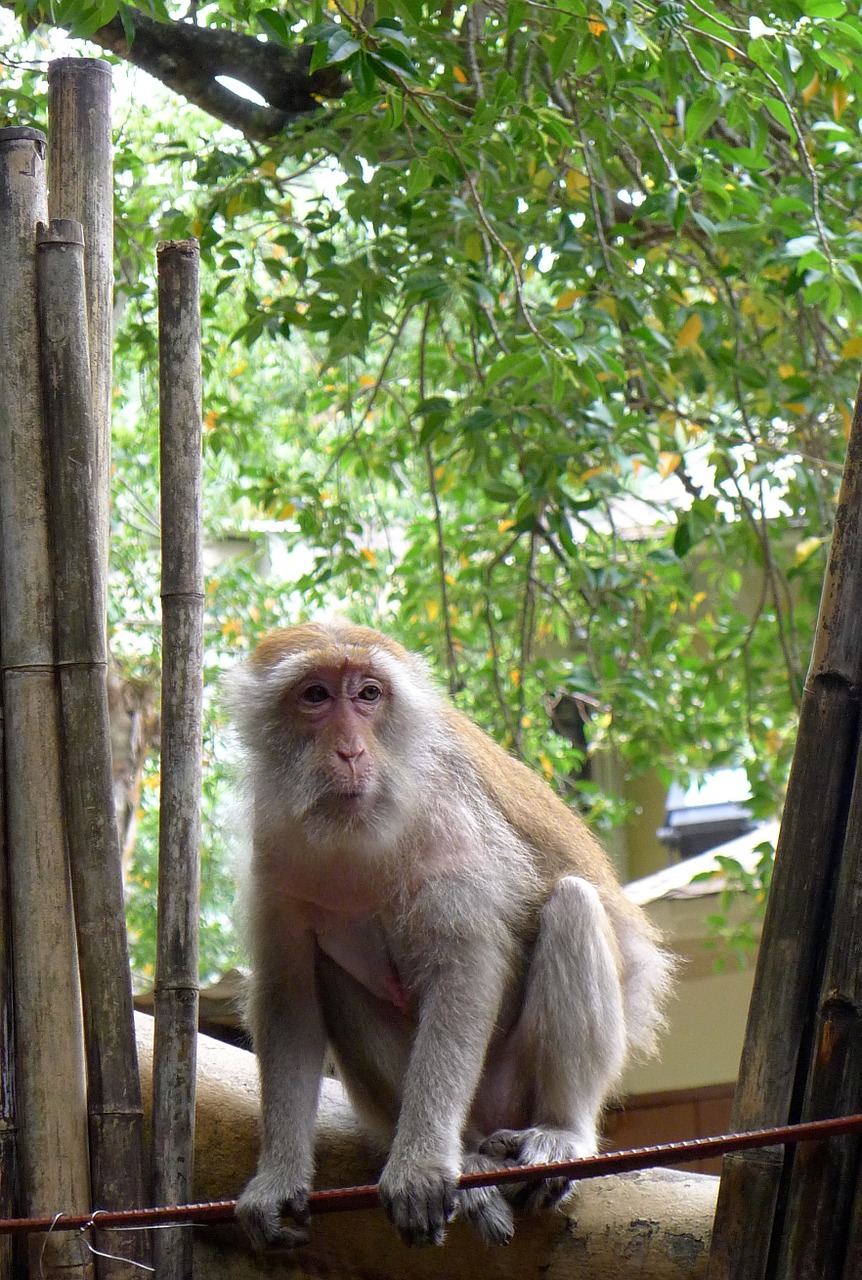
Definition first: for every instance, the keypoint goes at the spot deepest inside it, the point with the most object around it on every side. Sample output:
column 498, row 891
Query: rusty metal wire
column 343, row 1199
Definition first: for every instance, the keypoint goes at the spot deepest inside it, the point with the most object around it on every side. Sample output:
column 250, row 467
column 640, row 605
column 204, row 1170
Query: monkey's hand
column 419, row 1198
column 266, row 1200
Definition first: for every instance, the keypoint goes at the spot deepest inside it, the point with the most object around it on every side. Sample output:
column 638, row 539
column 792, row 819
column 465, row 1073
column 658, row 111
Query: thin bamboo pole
column 80, row 173
column 113, row 1086
column 176, row 987
column 780, row 1033
column 50, row 1060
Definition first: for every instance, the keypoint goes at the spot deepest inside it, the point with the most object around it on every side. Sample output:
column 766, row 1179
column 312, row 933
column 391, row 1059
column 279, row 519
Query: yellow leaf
column 668, row 463
column 197, row 228
column 811, row 88
column 852, row 347
column 697, row 600
column 609, row 305
column 846, row 419
column 287, row 511
column 547, row 767
column 238, row 369
column 526, row 722
column 366, row 380
column 786, row 371
column 504, row 525
column 432, row 610
column 368, row 554
column 690, row 332
column 840, row 98
column 232, row 627
column 577, row 184
column 210, row 419
column 637, row 463
column 459, row 75
column 589, row 473
column 796, row 406
column 515, row 677
column 567, row 299
column 269, row 168
column 596, row 25
column 805, row 549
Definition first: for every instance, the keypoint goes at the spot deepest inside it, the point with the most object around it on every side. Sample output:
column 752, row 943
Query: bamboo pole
column 779, row 1035
column 176, row 986
column 50, row 1061
column 113, row 1087
column 80, row 172
column 823, row 1179
column 8, row 1124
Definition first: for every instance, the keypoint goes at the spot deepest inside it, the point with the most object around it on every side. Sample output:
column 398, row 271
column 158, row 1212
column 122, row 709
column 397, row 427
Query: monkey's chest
column 359, row 946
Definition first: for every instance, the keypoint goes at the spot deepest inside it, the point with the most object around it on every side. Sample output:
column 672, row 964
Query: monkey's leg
column 570, row 1039
column 371, row 1042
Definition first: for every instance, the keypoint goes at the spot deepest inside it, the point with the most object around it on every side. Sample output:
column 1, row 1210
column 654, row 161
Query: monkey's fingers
column 261, row 1213
column 421, row 1208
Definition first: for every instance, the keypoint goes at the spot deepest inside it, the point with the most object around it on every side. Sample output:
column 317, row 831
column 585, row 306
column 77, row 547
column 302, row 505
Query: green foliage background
column 539, row 346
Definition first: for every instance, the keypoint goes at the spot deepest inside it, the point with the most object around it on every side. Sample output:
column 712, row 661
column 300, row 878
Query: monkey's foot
column 539, row 1146
column 485, row 1208
column 261, row 1208
column 419, row 1200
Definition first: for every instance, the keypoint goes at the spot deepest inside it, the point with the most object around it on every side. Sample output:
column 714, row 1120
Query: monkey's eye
column 315, row 694
column 370, row 693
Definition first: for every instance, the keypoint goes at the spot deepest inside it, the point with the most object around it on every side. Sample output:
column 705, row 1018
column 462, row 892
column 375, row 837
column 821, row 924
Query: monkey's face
column 341, row 728
column 337, row 713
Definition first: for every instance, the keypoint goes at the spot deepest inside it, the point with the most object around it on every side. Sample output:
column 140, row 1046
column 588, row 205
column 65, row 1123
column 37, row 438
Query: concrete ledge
column 653, row 1225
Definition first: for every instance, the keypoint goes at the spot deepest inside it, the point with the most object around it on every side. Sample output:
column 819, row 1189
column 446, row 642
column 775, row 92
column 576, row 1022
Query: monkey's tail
column 648, row 972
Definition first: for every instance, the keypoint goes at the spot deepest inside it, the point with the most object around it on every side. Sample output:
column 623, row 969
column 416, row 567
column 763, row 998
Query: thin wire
column 54, row 1221
column 113, row 1257
column 342, row 1199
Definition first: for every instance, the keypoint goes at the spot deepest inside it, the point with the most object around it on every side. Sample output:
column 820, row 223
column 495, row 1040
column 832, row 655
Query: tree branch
column 187, row 58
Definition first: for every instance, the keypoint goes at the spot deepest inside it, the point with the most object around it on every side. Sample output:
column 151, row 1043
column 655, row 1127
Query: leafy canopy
column 537, row 337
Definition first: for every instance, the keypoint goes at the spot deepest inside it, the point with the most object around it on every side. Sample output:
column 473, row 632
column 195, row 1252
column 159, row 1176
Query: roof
column 676, row 881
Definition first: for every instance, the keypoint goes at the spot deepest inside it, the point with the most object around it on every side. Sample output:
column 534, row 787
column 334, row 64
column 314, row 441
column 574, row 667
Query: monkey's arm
column 460, row 994
column 289, row 1038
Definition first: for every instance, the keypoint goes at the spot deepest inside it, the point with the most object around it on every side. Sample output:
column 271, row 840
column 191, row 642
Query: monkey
column 425, row 906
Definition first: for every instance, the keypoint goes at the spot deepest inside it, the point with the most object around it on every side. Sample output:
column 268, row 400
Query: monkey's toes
column 486, row 1210
column 540, row 1196
column 504, row 1145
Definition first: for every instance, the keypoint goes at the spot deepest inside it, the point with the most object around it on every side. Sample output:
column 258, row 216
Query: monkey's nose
column 349, row 754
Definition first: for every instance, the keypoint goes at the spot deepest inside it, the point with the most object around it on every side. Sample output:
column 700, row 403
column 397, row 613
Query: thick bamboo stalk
column 50, row 1060
column 80, row 172
column 779, row 1037
column 8, row 1124
column 822, row 1183
column 176, row 986
column 113, row 1087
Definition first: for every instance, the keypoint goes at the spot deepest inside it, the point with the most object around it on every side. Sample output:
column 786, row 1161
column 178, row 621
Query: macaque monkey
column 427, row 907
